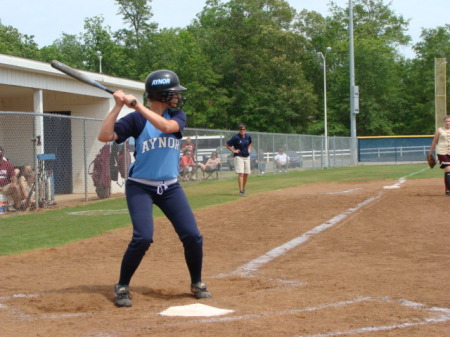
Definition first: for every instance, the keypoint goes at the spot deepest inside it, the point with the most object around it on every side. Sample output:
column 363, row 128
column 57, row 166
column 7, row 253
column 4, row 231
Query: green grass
column 56, row 227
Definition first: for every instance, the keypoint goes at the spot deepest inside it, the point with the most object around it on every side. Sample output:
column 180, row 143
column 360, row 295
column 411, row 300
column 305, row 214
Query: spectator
column 26, row 168
column 212, row 164
column 187, row 166
column 26, row 182
column 188, row 145
column 20, row 171
column 241, row 146
column 281, row 161
column 441, row 142
column 8, row 183
column 261, row 161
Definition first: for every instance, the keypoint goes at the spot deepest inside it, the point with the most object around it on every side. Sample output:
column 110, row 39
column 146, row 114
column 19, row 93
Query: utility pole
column 354, row 90
column 99, row 54
column 325, row 114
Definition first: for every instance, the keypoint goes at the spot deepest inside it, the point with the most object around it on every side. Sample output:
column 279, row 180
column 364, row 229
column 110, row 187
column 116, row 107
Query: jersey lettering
column 174, row 143
column 160, row 143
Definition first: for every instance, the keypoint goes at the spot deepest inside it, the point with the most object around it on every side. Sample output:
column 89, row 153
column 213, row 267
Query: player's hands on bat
column 130, row 101
column 119, row 98
column 122, row 99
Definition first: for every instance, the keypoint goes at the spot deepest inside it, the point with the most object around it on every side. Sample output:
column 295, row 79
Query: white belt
column 161, row 185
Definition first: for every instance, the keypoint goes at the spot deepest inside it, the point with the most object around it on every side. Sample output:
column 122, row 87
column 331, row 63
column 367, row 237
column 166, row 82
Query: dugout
column 50, row 103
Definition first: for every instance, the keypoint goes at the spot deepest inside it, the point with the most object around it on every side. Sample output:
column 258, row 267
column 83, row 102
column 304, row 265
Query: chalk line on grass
column 101, row 212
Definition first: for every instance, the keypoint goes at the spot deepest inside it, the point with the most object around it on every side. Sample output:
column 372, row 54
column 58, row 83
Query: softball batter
column 153, row 176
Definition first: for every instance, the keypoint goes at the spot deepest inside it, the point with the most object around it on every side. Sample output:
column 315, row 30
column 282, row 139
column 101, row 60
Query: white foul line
column 251, row 267
column 444, row 316
column 248, row 269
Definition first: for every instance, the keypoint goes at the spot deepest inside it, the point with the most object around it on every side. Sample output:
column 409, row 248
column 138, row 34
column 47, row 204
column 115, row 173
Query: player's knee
column 142, row 244
column 192, row 240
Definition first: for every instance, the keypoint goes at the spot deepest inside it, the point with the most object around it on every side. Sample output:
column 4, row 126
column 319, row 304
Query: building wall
column 393, row 149
column 21, row 79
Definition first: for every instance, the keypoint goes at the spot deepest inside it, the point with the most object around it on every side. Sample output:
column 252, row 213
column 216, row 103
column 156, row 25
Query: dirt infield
column 364, row 259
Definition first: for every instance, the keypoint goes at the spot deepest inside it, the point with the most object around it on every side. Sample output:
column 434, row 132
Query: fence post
column 85, row 162
column 300, row 149
column 36, row 140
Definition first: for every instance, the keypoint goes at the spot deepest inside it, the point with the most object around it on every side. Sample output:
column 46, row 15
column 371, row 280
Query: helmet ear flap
column 166, row 97
column 153, row 96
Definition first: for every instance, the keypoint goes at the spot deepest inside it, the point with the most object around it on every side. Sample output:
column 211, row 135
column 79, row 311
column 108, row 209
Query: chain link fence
column 70, row 164
column 305, row 152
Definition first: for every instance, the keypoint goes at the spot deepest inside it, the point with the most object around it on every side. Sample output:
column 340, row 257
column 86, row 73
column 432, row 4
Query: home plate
column 392, row 187
column 195, row 310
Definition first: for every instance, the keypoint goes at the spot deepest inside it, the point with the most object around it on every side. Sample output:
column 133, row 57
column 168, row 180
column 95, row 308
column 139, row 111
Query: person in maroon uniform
column 441, row 142
column 8, row 183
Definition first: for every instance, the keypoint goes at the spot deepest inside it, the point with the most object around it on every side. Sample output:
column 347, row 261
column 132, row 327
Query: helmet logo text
column 161, row 81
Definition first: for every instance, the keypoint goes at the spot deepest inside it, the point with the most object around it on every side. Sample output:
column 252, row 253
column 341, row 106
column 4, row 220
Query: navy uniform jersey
column 241, row 144
column 157, row 154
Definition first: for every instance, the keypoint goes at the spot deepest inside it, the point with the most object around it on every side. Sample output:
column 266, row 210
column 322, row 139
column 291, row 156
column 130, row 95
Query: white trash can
column 3, row 204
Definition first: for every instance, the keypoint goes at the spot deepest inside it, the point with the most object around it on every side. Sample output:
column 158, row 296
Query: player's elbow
column 170, row 128
column 105, row 138
column 102, row 139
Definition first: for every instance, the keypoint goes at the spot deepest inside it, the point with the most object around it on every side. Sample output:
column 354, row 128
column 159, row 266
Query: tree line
column 256, row 62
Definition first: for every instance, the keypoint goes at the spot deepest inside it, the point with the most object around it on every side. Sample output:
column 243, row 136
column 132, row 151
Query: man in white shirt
column 281, row 161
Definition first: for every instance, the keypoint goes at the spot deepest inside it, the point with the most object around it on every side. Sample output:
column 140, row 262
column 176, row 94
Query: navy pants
column 174, row 204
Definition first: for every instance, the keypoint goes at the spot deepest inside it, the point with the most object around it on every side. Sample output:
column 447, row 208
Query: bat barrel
column 81, row 77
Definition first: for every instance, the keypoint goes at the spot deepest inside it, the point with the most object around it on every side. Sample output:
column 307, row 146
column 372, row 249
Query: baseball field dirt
column 343, row 259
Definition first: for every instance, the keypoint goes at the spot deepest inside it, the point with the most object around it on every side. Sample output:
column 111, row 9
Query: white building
column 35, row 87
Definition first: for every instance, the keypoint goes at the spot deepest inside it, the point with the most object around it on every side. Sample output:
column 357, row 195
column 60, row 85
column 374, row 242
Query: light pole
column 99, row 54
column 325, row 117
column 354, row 92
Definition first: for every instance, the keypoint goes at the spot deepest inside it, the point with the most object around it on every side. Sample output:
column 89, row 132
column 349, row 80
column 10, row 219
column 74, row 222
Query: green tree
column 249, row 44
column 256, row 61
column 67, row 49
column 420, row 79
column 137, row 42
column 377, row 34
column 98, row 38
column 14, row 43
column 179, row 50
column 115, row 57
column 318, row 34
column 137, row 14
